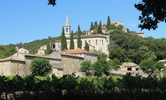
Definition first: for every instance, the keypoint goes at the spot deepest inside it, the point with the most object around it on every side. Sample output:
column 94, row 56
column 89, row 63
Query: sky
column 28, row 20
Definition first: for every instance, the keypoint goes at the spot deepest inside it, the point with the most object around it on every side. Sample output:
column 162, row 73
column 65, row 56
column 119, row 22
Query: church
column 95, row 41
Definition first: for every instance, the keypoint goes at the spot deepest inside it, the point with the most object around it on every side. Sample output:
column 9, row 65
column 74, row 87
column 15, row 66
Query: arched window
column 67, row 29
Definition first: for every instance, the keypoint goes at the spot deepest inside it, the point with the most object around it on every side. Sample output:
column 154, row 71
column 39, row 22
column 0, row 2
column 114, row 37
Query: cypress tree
column 48, row 51
column 108, row 23
column 63, row 40
column 79, row 44
column 99, row 29
column 86, row 46
column 71, row 41
column 91, row 26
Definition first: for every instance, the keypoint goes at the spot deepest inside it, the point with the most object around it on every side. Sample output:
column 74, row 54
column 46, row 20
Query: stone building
column 88, row 56
column 19, row 64
column 22, row 50
column 95, row 41
column 140, row 34
column 65, row 62
column 129, row 67
column 42, row 50
column 163, row 61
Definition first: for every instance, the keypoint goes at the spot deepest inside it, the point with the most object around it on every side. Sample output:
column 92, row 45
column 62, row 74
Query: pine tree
column 86, row 46
column 71, row 41
column 63, row 40
column 79, row 44
column 91, row 26
column 99, row 29
column 108, row 23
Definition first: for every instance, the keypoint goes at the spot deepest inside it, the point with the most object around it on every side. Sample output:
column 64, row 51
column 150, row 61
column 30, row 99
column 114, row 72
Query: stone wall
column 70, row 64
column 5, row 68
column 90, row 57
column 17, row 67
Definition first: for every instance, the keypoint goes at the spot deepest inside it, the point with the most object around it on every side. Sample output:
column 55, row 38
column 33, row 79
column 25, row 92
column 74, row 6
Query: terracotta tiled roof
column 76, row 51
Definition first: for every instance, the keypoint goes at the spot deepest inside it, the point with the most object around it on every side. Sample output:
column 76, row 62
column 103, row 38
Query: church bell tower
column 67, row 27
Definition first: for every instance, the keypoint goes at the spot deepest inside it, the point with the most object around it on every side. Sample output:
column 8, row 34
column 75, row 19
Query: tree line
column 68, row 87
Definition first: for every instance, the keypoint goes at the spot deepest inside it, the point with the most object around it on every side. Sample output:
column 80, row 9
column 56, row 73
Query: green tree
column 8, row 50
column 49, row 50
column 147, row 65
column 99, row 29
column 152, row 13
column 86, row 46
column 100, row 54
column 86, row 67
column 71, row 41
column 40, row 67
column 119, row 27
column 108, row 23
column 100, row 67
column 79, row 44
column 63, row 40
column 111, row 45
column 114, row 64
column 91, row 26
column 117, row 52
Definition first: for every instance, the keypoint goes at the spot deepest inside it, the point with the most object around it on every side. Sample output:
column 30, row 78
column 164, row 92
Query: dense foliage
column 40, row 67
column 35, row 45
column 133, row 48
column 152, row 13
column 68, row 87
column 6, row 51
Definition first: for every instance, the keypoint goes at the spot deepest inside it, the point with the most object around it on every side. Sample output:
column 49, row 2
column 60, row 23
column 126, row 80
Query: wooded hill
column 123, row 46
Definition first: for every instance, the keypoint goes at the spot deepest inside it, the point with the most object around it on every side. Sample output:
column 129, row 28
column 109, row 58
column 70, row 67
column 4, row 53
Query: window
column 102, row 42
column 129, row 69
column 89, row 41
column 137, row 69
column 66, row 29
column 96, row 42
column 53, row 46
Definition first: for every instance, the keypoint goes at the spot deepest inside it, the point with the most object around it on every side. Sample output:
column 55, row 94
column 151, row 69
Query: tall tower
column 67, row 27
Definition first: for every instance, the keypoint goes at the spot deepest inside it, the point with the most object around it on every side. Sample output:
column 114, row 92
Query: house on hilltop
column 95, row 41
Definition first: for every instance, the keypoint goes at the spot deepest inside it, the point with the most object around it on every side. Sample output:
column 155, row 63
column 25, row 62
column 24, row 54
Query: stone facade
column 129, row 67
column 22, row 50
column 96, row 41
column 140, row 34
column 41, row 50
column 62, row 63
column 19, row 64
column 163, row 61
column 88, row 56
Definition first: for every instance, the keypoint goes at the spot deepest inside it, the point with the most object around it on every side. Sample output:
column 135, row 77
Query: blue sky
column 28, row 20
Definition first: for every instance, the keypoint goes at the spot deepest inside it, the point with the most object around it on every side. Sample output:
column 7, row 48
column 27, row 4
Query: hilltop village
column 68, row 61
